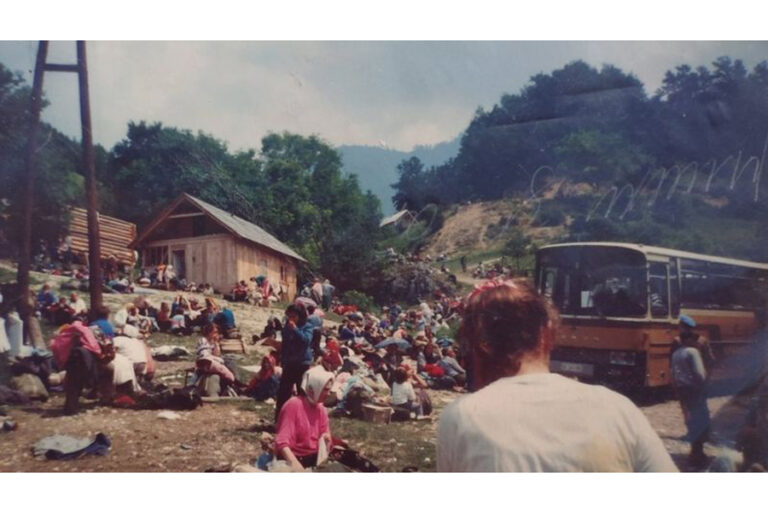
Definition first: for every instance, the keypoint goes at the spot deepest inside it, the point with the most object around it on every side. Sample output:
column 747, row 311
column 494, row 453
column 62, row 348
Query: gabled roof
column 394, row 218
column 235, row 225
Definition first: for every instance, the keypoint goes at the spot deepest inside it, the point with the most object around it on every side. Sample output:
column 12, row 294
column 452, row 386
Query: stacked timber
column 115, row 236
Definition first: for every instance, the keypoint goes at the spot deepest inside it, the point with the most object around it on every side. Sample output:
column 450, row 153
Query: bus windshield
column 594, row 281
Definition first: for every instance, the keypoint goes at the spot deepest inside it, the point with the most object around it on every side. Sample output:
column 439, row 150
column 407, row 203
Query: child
column 404, row 400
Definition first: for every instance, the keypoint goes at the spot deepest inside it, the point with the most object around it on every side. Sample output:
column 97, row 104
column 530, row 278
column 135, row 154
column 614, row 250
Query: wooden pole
column 30, row 162
column 89, row 169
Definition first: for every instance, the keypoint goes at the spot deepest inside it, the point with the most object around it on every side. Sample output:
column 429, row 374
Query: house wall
column 253, row 260
column 207, row 259
column 223, row 260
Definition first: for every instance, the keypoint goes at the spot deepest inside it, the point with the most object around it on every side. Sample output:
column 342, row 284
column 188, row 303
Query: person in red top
column 302, row 424
column 332, row 358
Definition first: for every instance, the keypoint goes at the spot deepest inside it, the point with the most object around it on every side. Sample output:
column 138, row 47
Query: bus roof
column 663, row 252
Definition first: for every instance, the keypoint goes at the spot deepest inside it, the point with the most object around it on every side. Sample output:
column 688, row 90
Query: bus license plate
column 576, row 369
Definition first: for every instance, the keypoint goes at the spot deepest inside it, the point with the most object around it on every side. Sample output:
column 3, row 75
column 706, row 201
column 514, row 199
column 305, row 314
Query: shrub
column 362, row 301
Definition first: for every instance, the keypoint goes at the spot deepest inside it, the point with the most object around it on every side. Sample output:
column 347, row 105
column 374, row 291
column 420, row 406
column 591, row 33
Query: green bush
column 362, row 301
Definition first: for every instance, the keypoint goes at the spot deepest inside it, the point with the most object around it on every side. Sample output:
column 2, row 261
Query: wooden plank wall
column 251, row 260
column 115, row 234
column 223, row 260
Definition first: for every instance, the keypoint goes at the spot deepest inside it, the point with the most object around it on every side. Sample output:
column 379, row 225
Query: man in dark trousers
column 295, row 353
column 689, row 376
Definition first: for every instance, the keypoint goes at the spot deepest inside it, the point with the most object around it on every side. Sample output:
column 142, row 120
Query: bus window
column 658, row 288
column 717, row 286
column 609, row 282
column 674, row 288
column 548, row 288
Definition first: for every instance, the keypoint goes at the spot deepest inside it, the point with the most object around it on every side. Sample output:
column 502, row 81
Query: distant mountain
column 376, row 167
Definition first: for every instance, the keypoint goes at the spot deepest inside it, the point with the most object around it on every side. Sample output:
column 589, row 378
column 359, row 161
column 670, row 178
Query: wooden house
column 206, row 244
column 400, row 220
column 115, row 236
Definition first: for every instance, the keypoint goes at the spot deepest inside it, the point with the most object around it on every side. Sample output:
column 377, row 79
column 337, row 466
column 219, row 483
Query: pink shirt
column 300, row 426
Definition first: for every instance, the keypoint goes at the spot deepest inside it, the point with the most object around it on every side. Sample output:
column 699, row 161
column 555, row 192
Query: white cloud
column 347, row 93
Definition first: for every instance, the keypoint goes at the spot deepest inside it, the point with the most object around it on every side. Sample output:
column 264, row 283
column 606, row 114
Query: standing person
column 328, row 291
column 689, row 376
column 464, row 263
column 522, row 418
column 317, row 291
column 295, row 353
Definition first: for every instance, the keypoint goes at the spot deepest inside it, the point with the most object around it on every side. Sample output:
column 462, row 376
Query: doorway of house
column 178, row 262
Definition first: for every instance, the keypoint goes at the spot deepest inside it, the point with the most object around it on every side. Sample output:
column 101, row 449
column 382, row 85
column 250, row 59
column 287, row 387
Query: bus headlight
column 621, row 358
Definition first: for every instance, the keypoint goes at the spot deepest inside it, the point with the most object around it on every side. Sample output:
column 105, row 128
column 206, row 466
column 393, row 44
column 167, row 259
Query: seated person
column 138, row 353
column 240, row 291
column 60, row 313
column 102, row 321
column 302, row 424
column 272, row 328
column 452, row 368
column 331, row 358
column 347, row 331
column 209, row 359
column 122, row 285
column 265, row 383
column 391, row 361
column 179, row 323
column 164, row 317
column 45, row 299
column 78, row 307
column 225, row 321
column 404, row 399
column 141, row 322
column 430, row 355
column 121, row 324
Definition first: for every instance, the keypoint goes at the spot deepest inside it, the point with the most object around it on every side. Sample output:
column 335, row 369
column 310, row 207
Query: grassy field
column 392, row 447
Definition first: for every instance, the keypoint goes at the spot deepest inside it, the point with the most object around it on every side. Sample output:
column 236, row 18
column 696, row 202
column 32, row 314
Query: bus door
column 664, row 307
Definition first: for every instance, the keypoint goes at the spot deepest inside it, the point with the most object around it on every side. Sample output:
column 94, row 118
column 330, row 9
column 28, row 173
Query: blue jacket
column 225, row 319
column 315, row 321
column 296, row 348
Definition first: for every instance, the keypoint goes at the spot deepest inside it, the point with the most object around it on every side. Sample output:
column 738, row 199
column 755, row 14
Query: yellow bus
column 619, row 305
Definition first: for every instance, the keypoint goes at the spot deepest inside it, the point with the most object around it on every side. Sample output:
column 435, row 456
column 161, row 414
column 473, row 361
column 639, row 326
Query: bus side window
column 674, row 288
column 548, row 288
column 658, row 289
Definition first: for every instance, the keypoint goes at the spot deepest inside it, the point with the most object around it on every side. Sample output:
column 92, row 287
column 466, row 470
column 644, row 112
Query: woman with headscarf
column 303, row 421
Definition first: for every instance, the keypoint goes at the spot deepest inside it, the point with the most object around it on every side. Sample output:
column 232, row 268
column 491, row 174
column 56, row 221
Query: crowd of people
column 391, row 361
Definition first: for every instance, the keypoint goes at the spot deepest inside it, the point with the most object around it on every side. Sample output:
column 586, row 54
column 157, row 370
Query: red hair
column 503, row 322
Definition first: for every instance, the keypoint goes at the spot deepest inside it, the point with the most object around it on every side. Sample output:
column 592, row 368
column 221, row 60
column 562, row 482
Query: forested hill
column 376, row 167
column 591, row 150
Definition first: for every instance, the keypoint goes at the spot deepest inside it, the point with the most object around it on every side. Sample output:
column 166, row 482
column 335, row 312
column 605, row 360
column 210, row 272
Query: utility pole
column 30, row 163
column 88, row 168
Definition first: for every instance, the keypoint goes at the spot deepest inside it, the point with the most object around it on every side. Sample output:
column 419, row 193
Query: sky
column 392, row 94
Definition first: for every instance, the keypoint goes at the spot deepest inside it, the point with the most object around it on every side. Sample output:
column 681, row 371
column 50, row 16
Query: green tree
column 517, row 246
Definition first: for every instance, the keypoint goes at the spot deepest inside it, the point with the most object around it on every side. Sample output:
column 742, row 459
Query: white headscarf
column 314, row 381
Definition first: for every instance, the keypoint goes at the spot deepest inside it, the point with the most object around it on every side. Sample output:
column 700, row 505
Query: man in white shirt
column 522, row 418
column 78, row 306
